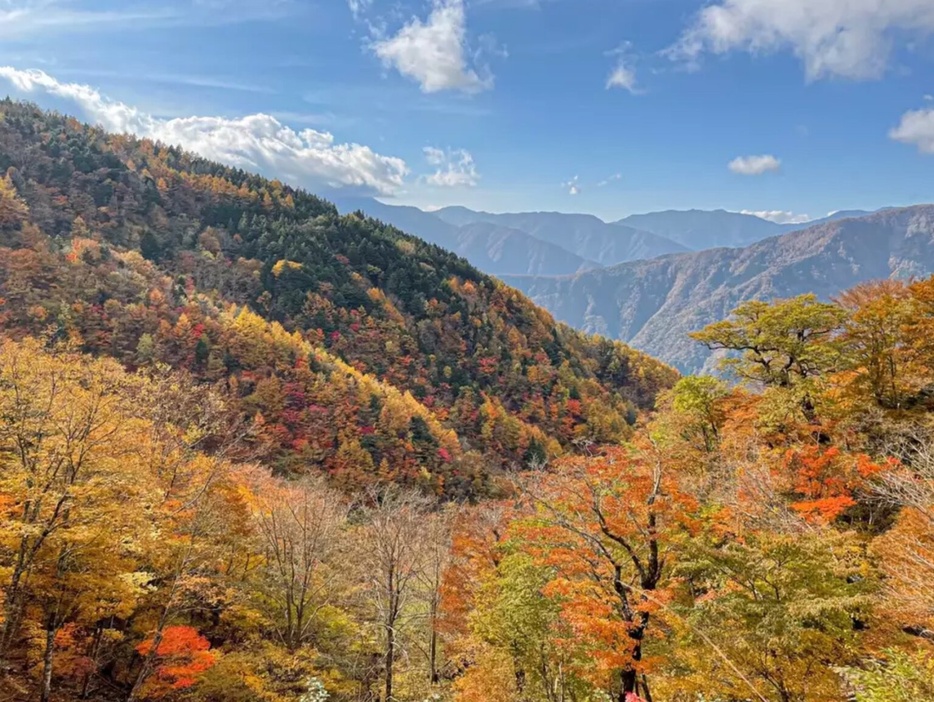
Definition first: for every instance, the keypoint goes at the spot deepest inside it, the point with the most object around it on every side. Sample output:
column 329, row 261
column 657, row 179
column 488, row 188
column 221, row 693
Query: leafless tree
column 436, row 557
column 910, row 576
column 300, row 527
column 393, row 556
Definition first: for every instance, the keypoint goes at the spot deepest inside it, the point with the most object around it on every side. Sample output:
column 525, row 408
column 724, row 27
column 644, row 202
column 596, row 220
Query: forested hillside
column 359, row 350
column 770, row 543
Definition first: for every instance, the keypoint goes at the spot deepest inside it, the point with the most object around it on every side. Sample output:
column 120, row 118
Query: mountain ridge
column 706, row 229
column 583, row 234
column 654, row 304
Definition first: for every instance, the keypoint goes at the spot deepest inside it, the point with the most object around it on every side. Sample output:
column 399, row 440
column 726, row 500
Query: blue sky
column 605, row 106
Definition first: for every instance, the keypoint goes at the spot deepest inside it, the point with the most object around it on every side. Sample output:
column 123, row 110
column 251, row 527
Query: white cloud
column 612, row 179
column 434, row 52
column 778, row 216
column 833, row 38
column 622, row 76
column 755, row 165
column 256, row 142
column 573, row 186
column 454, row 168
column 916, row 127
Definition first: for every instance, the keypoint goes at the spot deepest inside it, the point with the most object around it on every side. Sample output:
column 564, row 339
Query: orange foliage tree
column 182, row 655
column 609, row 526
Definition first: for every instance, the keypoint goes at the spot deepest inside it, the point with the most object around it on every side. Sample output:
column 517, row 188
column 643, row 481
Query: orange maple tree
column 825, row 482
column 608, row 525
column 182, row 654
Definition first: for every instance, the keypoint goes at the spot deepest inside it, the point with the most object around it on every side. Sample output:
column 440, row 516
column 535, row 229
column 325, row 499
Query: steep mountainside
column 494, row 249
column 358, row 349
column 702, row 229
column 585, row 235
column 654, row 304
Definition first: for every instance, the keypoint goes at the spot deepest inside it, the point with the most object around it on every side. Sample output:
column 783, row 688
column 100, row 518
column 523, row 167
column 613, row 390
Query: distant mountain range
column 534, row 243
column 555, row 243
column 653, row 304
column 702, row 229
column 581, row 234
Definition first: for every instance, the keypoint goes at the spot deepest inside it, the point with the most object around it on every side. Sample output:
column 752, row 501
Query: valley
column 255, row 448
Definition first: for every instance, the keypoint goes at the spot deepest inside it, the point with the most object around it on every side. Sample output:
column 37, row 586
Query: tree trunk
column 11, row 607
column 628, row 682
column 390, row 655
column 47, row 664
column 433, row 656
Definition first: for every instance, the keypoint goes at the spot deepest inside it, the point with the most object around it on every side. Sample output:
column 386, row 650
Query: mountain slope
column 357, row 349
column 585, row 235
column 654, row 304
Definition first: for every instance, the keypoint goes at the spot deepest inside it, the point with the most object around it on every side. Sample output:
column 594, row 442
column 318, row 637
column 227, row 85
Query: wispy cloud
column 26, row 19
column 258, row 142
column 359, row 8
column 612, row 179
column 454, row 168
column 386, row 99
column 622, row 76
column 178, row 79
column 511, row 4
column 755, row 165
column 573, row 186
column 779, row 216
column 623, row 73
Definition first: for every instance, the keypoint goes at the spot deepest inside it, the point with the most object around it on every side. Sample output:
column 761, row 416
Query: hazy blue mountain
column 585, row 235
column 706, row 229
column 701, row 229
column 500, row 251
column 460, row 216
column 654, row 304
column 494, row 249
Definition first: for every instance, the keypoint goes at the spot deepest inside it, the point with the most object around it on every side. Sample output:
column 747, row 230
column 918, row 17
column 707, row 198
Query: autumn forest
column 253, row 449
